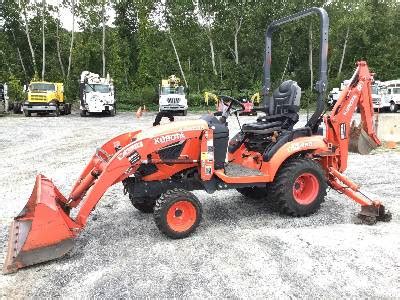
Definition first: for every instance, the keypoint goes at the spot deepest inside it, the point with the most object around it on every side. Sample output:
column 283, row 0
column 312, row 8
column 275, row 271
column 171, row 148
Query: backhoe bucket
column 360, row 142
column 42, row 231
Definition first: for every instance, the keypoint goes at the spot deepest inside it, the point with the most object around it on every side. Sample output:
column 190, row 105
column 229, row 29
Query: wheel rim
column 305, row 188
column 181, row 216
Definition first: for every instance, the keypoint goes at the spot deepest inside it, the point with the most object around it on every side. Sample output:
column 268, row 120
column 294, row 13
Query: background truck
column 390, row 95
column 97, row 94
column 172, row 97
column 3, row 97
column 46, row 97
column 376, row 95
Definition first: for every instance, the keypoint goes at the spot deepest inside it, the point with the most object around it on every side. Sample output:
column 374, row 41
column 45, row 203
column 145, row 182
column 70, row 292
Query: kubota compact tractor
column 158, row 167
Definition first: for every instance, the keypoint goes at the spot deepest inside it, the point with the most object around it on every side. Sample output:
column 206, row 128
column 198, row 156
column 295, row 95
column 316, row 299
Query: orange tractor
column 160, row 166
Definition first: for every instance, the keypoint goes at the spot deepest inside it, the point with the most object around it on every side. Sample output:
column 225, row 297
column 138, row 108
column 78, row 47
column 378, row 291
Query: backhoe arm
column 342, row 138
column 339, row 133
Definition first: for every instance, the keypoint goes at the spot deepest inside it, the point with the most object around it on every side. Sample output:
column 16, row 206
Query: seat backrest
column 287, row 97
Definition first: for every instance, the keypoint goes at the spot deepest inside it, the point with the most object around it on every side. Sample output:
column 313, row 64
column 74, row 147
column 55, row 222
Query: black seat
column 287, row 97
column 286, row 106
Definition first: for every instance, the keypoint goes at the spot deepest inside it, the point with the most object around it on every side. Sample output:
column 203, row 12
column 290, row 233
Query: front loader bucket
column 360, row 142
column 42, row 231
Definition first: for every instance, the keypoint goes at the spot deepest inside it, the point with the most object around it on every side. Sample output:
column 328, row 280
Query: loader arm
column 45, row 229
column 339, row 132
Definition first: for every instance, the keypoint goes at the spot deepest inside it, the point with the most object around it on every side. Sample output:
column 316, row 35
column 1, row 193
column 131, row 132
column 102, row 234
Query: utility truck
column 376, row 95
column 46, row 97
column 390, row 96
column 97, row 94
column 172, row 97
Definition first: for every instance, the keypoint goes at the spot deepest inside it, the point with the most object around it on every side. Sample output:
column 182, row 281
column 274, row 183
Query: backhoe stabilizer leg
column 371, row 212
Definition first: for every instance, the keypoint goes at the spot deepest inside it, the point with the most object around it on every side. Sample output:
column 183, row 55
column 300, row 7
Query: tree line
column 211, row 45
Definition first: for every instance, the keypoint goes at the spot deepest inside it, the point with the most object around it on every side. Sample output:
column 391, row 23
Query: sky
column 66, row 16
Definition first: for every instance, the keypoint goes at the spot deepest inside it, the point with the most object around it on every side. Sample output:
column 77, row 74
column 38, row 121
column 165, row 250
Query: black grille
column 173, row 100
column 172, row 151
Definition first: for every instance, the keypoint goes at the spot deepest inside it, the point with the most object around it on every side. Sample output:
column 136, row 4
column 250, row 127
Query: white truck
column 172, row 97
column 376, row 94
column 97, row 94
column 3, row 97
column 390, row 96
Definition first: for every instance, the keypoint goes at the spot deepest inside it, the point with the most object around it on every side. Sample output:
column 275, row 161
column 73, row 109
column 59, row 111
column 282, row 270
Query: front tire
column 177, row 213
column 393, row 107
column 299, row 187
column 27, row 113
column 83, row 113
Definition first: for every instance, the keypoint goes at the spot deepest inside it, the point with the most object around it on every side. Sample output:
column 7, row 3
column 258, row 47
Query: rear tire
column 177, row 213
column 68, row 109
column 254, row 192
column 143, row 204
column 299, row 187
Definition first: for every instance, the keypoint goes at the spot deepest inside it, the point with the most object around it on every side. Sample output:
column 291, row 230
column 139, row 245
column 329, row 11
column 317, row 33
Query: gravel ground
column 240, row 250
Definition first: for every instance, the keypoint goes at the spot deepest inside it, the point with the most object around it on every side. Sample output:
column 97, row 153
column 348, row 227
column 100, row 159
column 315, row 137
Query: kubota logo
column 169, row 138
column 349, row 105
column 298, row 146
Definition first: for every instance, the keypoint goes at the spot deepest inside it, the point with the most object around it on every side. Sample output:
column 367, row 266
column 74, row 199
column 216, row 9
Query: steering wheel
column 229, row 101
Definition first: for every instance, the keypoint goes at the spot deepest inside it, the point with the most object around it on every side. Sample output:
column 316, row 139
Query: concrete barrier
column 389, row 127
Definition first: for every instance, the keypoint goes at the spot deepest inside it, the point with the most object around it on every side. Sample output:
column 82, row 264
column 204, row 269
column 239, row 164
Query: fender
column 301, row 144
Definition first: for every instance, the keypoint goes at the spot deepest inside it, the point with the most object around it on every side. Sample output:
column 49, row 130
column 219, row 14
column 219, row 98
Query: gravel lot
column 240, row 250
